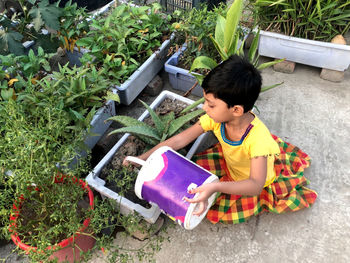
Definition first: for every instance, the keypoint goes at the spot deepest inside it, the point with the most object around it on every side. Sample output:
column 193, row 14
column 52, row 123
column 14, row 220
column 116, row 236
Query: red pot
column 69, row 248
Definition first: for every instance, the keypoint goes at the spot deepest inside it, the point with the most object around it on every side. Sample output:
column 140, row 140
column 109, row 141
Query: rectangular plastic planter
column 133, row 86
column 98, row 123
column 182, row 79
column 179, row 78
column 309, row 52
column 98, row 127
column 125, row 205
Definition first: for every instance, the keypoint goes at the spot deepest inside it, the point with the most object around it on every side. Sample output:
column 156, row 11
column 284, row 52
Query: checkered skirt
column 286, row 193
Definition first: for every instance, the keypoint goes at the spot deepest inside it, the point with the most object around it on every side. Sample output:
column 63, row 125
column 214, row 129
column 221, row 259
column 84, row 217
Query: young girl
column 258, row 171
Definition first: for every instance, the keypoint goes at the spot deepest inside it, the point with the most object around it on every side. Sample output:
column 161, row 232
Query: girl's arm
column 176, row 142
column 252, row 186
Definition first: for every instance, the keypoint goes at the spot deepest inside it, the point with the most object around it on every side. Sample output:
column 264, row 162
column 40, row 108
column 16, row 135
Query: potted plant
column 52, row 205
column 83, row 92
column 24, row 27
column 227, row 41
column 108, row 171
column 130, row 45
column 48, row 204
column 191, row 40
column 300, row 31
column 73, row 25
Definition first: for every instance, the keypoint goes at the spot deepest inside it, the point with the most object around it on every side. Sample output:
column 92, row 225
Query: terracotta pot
column 69, row 248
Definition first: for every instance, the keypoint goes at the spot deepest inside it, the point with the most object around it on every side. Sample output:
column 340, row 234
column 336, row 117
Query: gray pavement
column 313, row 114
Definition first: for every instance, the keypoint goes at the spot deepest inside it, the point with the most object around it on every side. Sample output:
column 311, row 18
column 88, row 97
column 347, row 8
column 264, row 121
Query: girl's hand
column 205, row 191
column 129, row 163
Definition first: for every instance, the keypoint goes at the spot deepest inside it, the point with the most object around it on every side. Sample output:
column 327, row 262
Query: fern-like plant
column 164, row 126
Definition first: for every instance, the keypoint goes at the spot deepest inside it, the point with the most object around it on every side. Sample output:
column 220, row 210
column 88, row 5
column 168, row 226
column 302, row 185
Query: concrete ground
column 313, row 114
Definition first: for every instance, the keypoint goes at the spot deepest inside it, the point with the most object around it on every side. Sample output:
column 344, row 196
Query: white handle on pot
column 135, row 160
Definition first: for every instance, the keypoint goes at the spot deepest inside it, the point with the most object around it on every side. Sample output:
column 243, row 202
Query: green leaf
column 76, row 114
column 112, row 96
column 254, row 47
column 263, row 89
column 221, row 51
column 269, row 64
column 179, row 122
column 11, row 41
column 232, row 20
column 157, row 121
column 45, row 14
column 203, row 62
column 193, row 105
column 7, row 94
column 137, row 130
column 220, row 30
column 127, row 121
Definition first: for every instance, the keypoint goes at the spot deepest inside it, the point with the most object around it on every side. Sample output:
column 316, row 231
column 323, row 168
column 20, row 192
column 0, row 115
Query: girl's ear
column 237, row 110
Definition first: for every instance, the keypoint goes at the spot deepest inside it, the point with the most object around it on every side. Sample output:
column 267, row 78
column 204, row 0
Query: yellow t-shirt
column 257, row 141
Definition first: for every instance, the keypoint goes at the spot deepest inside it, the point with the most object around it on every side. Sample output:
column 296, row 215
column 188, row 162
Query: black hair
column 235, row 81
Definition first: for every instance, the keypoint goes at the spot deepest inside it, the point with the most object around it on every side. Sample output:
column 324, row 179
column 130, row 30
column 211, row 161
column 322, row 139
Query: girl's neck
column 241, row 121
column 236, row 127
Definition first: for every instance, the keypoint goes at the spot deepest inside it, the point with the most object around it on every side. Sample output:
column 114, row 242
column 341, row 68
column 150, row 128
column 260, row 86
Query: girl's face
column 216, row 109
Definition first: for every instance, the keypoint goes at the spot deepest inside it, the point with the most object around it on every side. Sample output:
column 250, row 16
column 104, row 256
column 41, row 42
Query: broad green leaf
column 11, row 41
column 157, row 121
column 220, row 30
column 181, row 121
column 233, row 48
column 45, row 14
column 137, row 130
column 221, row 51
column 203, row 62
column 232, row 19
column 7, row 94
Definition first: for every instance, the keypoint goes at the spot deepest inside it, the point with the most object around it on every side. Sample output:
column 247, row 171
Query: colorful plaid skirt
column 286, row 193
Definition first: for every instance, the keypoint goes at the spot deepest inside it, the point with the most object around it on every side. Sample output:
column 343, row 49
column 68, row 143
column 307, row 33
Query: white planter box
column 126, row 206
column 304, row 51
